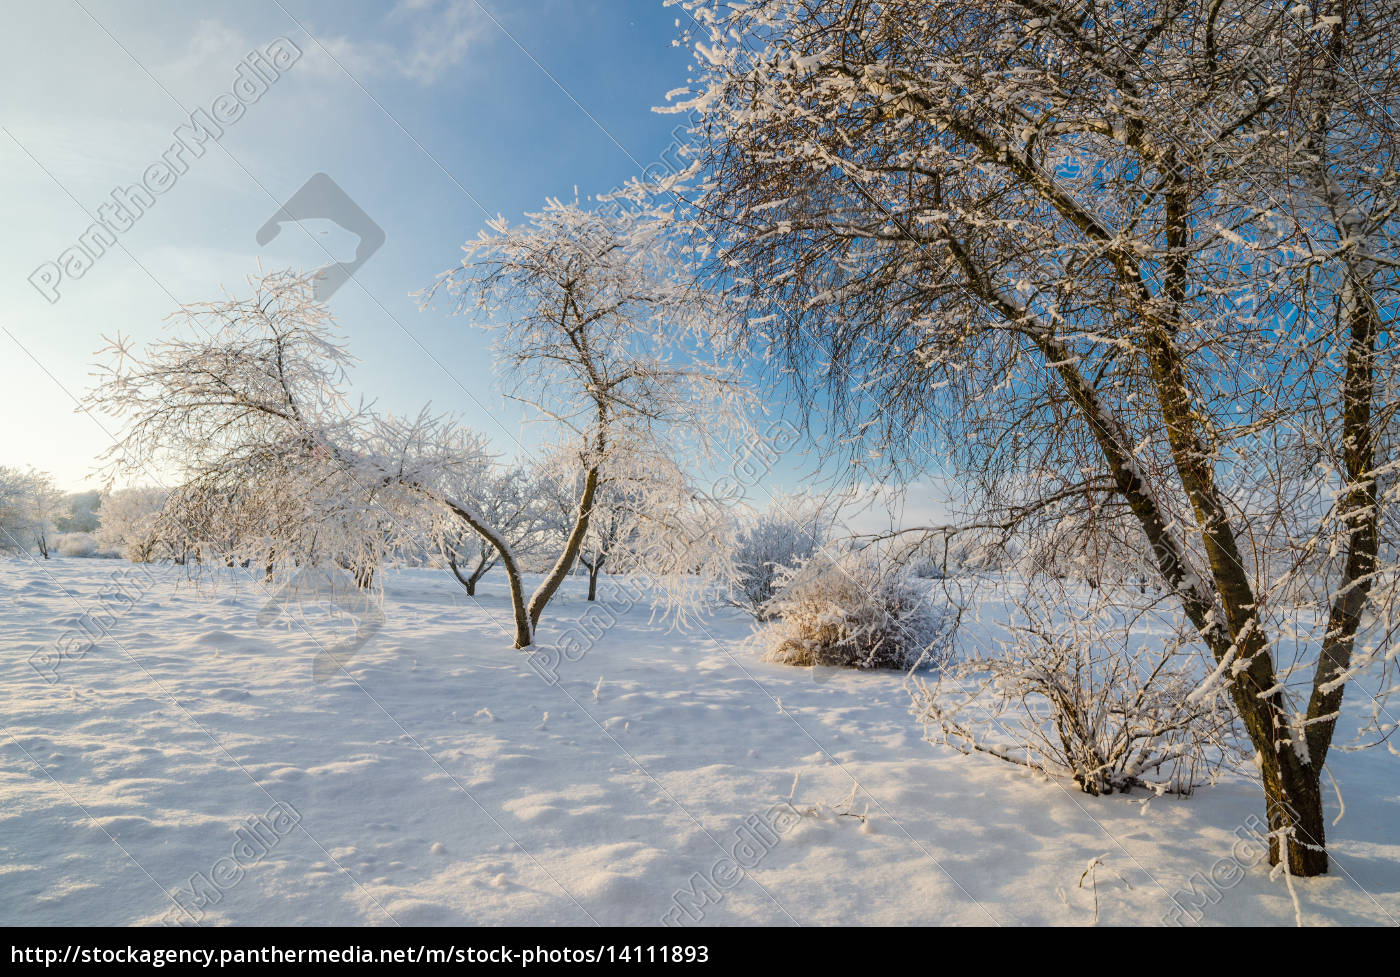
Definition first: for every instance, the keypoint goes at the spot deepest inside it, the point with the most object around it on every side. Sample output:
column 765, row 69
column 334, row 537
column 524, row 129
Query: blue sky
column 437, row 119
column 428, row 113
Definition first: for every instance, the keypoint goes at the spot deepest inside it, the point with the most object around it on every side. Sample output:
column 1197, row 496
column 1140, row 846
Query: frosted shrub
column 77, row 545
column 856, row 611
column 764, row 549
column 1072, row 691
column 926, row 568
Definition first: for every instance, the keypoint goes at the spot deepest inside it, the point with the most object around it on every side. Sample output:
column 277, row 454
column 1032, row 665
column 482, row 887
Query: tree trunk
column 1292, row 787
column 524, row 625
column 567, row 559
column 1294, row 804
column 593, row 578
column 483, row 566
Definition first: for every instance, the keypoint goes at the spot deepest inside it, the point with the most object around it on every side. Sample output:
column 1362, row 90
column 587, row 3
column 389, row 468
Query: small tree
column 131, row 523
column 27, row 506
column 612, row 529
column 600, row 333
column 509, row 500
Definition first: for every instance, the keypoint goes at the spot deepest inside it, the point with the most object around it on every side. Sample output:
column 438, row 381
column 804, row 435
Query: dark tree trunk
column 524, row 625
column 1294, row 804
column 571, row 549
column 470, row 580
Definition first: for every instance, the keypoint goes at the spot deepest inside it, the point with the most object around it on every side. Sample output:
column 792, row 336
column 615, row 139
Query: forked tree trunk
column 469, row 581
column 569, row 557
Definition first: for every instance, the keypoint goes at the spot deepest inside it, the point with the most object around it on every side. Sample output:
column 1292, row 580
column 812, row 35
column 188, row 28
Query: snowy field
column 443, row 780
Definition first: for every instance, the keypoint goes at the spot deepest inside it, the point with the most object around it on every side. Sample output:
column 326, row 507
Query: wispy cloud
column 421, row 40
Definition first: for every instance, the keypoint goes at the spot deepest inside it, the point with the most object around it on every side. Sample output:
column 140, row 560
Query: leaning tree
column 1140, row 249
column 508, row 498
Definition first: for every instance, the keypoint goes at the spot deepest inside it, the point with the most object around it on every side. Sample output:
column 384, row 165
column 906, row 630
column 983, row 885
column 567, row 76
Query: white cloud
column 427, row 39
column 881, row 509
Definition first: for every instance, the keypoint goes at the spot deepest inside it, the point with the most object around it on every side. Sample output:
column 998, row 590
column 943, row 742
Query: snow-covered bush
column 854, row 609
column 1072, row 689
column 768, row 545
column 926, row 568
column 76, row 544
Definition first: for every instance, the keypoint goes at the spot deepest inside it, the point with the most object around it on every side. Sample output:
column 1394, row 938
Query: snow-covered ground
column 443, row 780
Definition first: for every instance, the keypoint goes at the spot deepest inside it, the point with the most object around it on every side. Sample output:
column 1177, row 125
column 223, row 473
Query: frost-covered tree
column 47, row 504
column 245, row 403
column 611, row 531
column 80, row 512
column 1142, row 250
column 29, row 505
column 131, row 523
column 613, row 525
column 600, row 332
